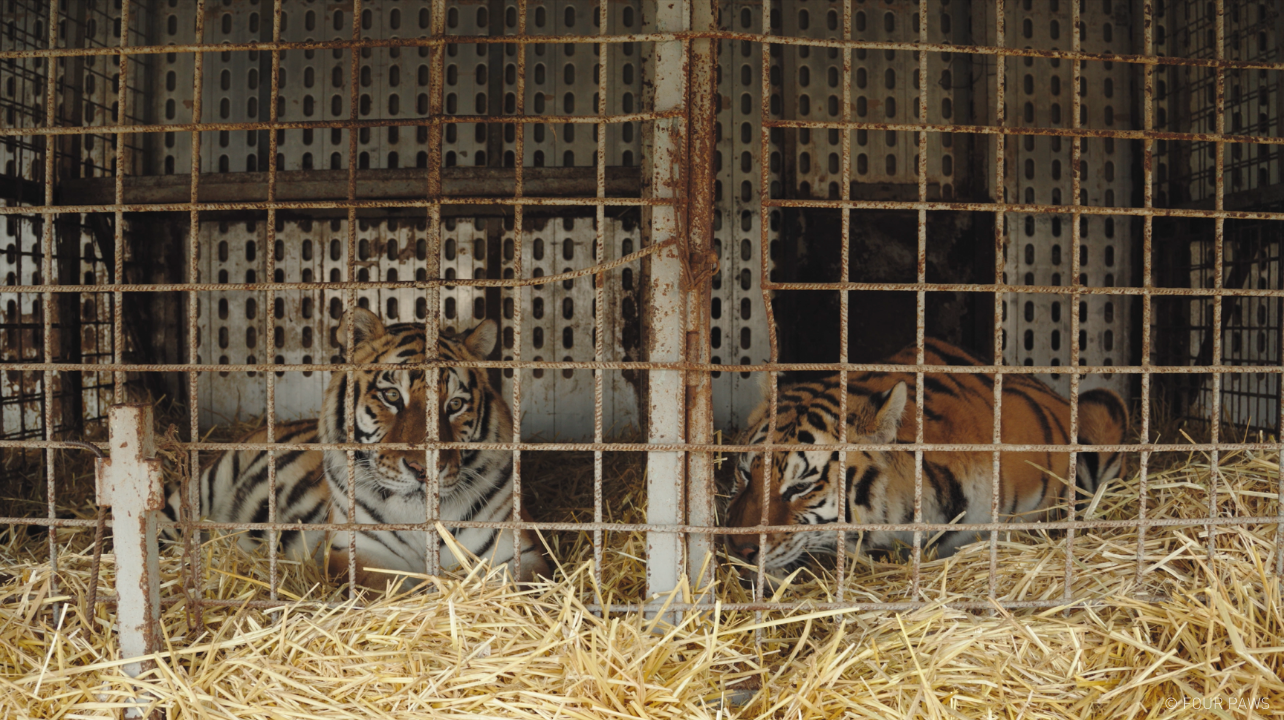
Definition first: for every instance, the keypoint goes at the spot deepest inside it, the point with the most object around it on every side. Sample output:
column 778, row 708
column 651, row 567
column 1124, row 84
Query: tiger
column 391, row 485
column 957, row 485
column 233, row 487
column 475, row 485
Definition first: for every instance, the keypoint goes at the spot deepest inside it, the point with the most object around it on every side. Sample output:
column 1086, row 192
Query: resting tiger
column 234, row 488
column 475, row 485
column 957, row 486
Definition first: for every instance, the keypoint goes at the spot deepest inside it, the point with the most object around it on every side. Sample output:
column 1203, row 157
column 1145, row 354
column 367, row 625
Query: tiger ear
column 480, row 341
column 889, row 409
column 365, row 326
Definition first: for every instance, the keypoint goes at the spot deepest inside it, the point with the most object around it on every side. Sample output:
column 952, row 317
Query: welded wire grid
column 670, row 251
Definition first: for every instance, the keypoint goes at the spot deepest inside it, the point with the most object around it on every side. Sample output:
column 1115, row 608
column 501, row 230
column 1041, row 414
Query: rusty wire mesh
column 675, row 253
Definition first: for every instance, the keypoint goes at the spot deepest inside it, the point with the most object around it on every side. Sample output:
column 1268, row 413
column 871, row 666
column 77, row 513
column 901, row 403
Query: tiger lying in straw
column 391, row 484
column 880, row 483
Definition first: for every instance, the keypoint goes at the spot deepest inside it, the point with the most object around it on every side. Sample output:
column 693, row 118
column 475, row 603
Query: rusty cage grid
column 675, row 197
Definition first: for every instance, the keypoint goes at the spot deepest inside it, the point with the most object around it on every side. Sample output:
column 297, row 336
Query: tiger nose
column 419, row 470
column 742, row 548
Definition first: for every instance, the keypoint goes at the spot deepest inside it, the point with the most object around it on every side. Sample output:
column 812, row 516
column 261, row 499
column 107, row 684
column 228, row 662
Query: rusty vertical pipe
column 702, row 120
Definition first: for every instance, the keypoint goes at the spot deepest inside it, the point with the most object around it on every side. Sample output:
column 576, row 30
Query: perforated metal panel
column 1039, row 93
column 738, row 331
column 885, row 89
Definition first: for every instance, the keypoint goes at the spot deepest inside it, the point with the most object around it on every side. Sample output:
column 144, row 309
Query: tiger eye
column 391, row 395
column 455, row 404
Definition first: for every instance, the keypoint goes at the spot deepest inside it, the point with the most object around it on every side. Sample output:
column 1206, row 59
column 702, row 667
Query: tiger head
column 805, row 483
column 390, row 406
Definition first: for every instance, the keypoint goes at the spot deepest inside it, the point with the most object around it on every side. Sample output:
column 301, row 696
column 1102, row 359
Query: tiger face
column 804, row 488
column 391, row 406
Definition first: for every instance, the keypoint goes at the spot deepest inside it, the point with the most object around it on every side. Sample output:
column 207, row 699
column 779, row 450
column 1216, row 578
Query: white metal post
column 129, row 482
column 664, row 317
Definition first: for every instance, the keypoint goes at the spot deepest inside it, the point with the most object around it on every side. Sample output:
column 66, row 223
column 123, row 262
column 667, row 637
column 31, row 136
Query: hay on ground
column 476, row 647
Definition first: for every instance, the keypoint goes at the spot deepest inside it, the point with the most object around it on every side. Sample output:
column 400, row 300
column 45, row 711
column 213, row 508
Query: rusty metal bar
column 544, row 279
column 665, row 316
column 519, row 190
column 599, row 294
column 1219, row 278
column 1000, row 242
column 436, row 103
column 547, row 201
column 1222, row 521
column 371, row 184
column 193, row 488
column 701, row 263
column 131, row 484
column 472, row 176
column 1147, row 283
column 757, row 607
column 844, row 304
column 608, row 365
column 47, row 273
column 350, row 298
column 764, row 38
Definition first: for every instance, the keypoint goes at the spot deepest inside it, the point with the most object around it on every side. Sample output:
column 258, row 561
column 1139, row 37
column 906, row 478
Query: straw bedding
column 475, row 647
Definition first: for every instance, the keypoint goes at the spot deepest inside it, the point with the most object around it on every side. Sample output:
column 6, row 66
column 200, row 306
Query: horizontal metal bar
column 416, row 121
column 997, row 207
column 409, row 284
column 704, row 529
column 774, row 606
column 527, row 39
column 639, row 365
column 1079, row 132
column 333, row 185
column 190, row 207
column 1027, row 289
column 700, row 447
column 544, row 279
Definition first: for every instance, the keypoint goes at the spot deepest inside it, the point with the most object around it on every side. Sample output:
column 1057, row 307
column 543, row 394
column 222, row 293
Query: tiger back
column 234, row 488
column 957, row 485
column 391, row 484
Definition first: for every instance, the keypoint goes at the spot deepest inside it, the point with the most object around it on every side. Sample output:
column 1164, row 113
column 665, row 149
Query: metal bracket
column 129, row 482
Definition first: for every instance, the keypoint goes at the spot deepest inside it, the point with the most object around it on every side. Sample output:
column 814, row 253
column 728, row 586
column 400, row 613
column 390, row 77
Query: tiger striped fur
column 957, row 485
column 390, row 407
column 234, row 488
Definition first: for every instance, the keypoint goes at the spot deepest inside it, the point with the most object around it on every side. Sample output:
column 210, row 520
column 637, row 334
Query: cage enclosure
column 196, row 192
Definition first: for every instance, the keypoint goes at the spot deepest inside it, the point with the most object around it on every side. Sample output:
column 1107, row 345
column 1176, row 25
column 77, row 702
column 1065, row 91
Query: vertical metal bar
column 665, row 315
column 844, row 297
column 349, row 414
column 764, row 223
column 47, row 276
column 130, row 483
column 269, row 305
column 1076, row 185
column 1219, row 239
column 702, row 114
column 1147, row 237
column 122, row 163
column 519, row 163
column 920, row 306
column 193, row 305
column 1000, row 241
column 599, row 287
column 436, row 104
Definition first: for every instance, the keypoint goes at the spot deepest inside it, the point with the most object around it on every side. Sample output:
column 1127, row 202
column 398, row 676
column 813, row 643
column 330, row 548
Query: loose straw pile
column 474, row 647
